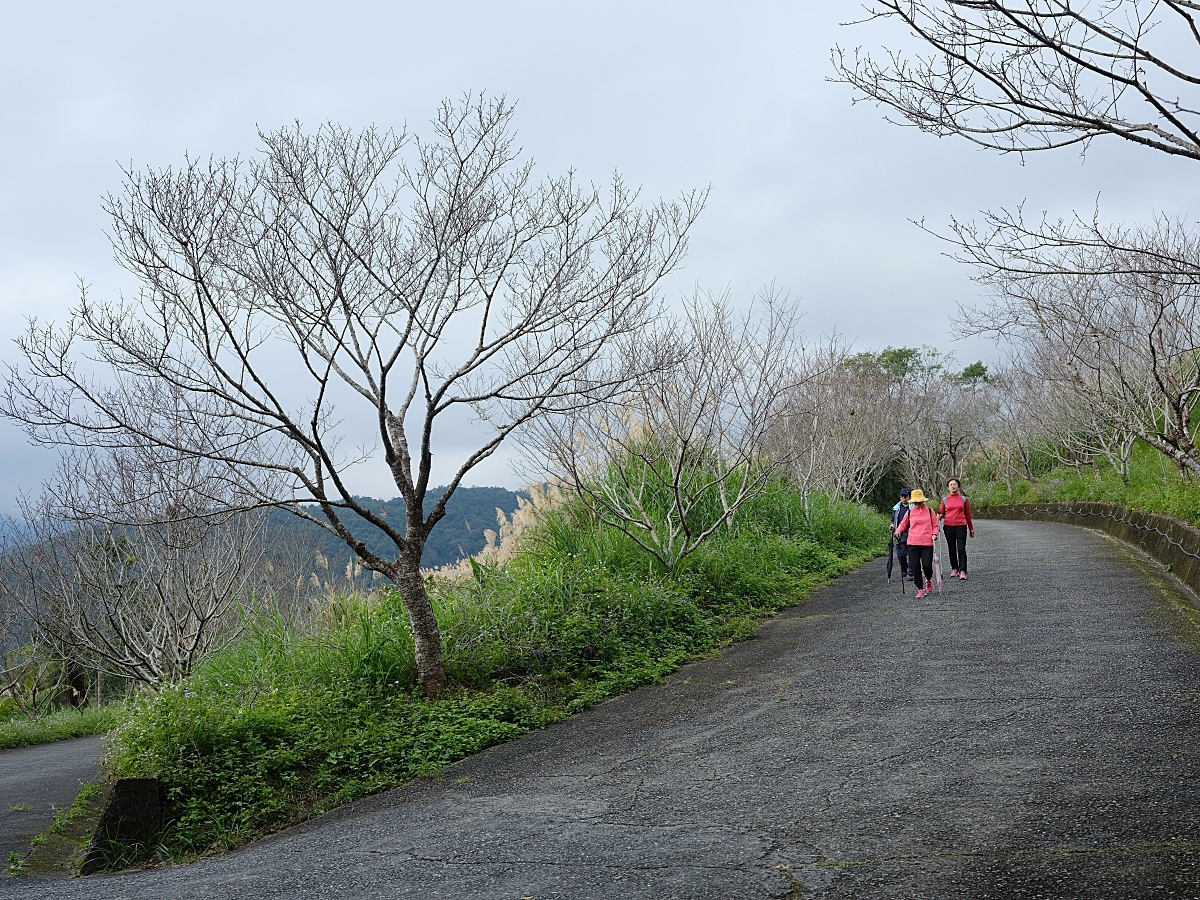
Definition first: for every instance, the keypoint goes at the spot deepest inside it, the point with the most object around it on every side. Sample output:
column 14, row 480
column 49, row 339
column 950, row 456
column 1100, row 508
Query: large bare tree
column 1022, row 75
column 355, row 287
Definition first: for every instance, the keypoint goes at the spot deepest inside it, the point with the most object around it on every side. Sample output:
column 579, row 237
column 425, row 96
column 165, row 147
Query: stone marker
column 130, row 821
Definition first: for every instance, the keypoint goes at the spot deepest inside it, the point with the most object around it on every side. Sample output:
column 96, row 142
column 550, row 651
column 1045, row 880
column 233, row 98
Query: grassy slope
column 1154, row 485
column 60, row 725
column 287, row 723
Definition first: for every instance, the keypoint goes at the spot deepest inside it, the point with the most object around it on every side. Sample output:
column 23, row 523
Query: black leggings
column 956, row 545
column 920, row 558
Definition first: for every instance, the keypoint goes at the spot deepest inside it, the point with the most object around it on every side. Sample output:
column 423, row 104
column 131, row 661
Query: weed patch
column 59, row 849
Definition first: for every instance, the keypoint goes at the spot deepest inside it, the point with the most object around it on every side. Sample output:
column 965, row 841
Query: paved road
column 36, row 781
column 1029, row 733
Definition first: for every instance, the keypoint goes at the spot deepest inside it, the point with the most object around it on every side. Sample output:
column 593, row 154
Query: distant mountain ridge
column 469, row 512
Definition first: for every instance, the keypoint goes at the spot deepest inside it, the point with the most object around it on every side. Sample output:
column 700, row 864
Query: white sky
column 807, row 190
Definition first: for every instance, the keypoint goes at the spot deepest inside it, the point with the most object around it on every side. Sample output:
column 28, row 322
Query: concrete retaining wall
column 1170, row 541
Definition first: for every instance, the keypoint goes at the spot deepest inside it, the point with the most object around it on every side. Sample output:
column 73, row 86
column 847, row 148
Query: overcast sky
column 808, row 191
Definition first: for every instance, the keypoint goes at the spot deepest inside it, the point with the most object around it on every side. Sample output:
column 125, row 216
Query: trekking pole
column 937, row 567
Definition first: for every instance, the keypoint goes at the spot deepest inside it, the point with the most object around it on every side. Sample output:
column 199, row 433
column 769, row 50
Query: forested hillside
column 469, row 513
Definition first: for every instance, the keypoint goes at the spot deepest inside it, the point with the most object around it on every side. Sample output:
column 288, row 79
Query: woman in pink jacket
column 955, row 513
column 921, row 524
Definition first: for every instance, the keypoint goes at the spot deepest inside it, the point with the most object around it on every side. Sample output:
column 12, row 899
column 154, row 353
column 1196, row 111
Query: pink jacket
column 956, row 510
column 922, row 527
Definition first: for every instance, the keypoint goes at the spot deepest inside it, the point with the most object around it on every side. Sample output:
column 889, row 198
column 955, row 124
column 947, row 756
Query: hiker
column 955, row 513
column 898, row 512
column 921, row 525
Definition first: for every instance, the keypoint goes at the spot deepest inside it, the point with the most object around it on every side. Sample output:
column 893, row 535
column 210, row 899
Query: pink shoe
column 962, row 575
column 921, row 593
column 953, row 572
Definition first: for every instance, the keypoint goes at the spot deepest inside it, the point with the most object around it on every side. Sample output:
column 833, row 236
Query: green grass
column 1154, row 485
column 289, row 721
column 60, row 725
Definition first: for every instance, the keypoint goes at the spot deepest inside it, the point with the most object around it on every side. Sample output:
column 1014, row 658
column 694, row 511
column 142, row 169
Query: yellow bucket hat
column 917, row 497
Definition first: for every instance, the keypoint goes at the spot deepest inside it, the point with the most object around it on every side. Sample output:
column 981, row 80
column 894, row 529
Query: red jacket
column 923, row 522
column 956, row 510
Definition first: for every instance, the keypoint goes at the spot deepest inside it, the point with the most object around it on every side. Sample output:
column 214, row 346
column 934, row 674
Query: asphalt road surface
column 36, row 781
column 1031, row 732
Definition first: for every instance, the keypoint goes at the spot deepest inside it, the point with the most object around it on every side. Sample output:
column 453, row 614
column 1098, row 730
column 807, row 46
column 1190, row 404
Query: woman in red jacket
column 921, row 524
column 955, row 513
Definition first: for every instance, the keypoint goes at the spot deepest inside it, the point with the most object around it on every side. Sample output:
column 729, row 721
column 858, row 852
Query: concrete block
column 130, row 822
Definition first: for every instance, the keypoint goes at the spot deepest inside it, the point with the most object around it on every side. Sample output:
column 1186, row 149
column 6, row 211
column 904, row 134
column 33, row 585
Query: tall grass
column 292, row 719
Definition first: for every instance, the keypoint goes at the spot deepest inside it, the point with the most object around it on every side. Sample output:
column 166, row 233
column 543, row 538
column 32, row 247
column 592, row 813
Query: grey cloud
column 808, row 191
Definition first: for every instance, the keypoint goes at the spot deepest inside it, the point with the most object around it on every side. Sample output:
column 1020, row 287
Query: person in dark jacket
column 898, row 512
column 955, row 513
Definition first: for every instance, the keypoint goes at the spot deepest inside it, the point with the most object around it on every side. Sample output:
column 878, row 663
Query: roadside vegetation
column 293, row 718
column 1152, row 484
column 19, row 730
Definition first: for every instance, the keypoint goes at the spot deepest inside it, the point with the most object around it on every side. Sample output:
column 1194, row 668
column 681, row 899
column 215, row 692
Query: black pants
column 902, row 553
column 956, row 545
column 920, row 558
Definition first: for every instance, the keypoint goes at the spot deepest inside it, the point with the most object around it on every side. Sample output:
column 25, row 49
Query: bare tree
column 359, row 278
column 799, row 433
column 1021, row 75
column 1107, row 314
column 945, row 419
column 839, row 425
column 672, row 459
column 1061, row 420
column 13, row 636
column 1012, row 439
column 143, row 596
column 1032, row 415
column 33, row 678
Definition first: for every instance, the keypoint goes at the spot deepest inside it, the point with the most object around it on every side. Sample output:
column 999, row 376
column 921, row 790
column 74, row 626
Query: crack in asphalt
column 1165, row 846
column 571, row 864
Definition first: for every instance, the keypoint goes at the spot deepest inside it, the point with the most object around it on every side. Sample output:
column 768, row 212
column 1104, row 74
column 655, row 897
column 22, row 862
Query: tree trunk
column 427, row 638
column 76, row 684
